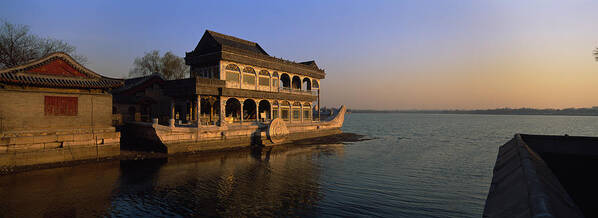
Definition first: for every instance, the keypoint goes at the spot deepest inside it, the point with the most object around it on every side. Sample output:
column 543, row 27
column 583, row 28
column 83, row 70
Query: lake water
column 417, row 165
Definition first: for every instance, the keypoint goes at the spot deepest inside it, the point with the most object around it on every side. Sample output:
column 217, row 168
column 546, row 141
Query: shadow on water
column 149, row 142
column 139, row 173
column 257, row 147
column 258, row 151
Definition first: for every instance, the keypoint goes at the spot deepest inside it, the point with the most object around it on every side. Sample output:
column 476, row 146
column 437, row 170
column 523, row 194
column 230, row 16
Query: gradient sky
column 377, row 54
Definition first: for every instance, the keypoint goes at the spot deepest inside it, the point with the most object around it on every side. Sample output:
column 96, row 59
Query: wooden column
column 212, row 104
column 190, row 102
column 242, row 102
column 301, row 113
column 271, row 110
column 257, row 113
column 198, row 111
column 172, row 115
column 222, row 111
column 319, row 108
column 193, row 107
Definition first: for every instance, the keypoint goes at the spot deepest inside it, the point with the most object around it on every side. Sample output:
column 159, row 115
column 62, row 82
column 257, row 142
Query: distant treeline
column 593, row 111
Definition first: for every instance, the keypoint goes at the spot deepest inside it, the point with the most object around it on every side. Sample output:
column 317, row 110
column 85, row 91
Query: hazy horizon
column 383, row 55
column 473, row 109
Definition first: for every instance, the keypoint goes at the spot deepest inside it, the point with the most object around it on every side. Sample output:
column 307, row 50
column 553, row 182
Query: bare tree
column 18, row 46
column 146, row 65
column 174, row 66
column 169, row 65
column 596, row 53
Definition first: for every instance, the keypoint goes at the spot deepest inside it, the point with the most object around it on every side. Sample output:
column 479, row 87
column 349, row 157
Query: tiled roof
column 134, row 82
column 56, row 70
column 226, row 40
column 311, row 63
column 219, row 46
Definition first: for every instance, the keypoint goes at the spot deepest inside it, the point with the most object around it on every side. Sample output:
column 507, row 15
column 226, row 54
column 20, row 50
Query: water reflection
column 274, row 181
column 61, row 192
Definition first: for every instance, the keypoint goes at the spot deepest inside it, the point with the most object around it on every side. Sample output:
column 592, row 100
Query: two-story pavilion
column 234, row 81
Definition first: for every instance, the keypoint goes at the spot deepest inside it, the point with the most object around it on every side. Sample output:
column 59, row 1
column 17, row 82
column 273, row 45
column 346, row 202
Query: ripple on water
column 417, row 165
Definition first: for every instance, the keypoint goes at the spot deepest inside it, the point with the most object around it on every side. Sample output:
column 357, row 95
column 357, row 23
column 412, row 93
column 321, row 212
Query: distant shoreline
column 503, row 111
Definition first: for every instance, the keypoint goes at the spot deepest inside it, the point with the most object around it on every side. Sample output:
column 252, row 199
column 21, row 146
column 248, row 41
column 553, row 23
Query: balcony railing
column 297, row 91
column 230, row 84
column 209, row 82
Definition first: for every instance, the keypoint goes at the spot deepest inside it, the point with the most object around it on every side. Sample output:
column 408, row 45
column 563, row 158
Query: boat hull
column 158, row 138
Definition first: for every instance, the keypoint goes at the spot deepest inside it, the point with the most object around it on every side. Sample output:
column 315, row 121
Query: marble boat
column 143, row 136
column 236, row 95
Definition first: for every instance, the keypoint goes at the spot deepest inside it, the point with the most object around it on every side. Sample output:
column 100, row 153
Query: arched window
column 296, row 109
column 275, row 110
column 315, row 84
column 232, row 73
column 209, row 109
column 307, row 112
column 264, row 73
column 285, row 80
column 285, row 108
column 249, row 76
column 296, row 82
column 232, row 110
column 264, row 79
column 306, row 84
column 249, row 112
column 264, row 110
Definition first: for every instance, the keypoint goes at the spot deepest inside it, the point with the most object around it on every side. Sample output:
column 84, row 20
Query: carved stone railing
column 297, row 91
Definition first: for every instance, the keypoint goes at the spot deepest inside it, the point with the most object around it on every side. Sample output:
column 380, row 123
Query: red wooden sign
column 60, row 106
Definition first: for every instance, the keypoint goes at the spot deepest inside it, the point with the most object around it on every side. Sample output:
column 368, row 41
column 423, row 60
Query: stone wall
column 15, row 159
